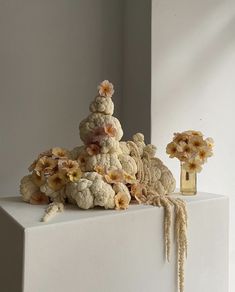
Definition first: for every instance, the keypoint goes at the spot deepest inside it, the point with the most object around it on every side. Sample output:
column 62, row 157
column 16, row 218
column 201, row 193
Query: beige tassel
column 52, row 210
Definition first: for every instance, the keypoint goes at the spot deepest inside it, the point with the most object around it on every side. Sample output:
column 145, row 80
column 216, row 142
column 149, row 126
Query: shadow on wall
column 136, row 103
column 52, row 54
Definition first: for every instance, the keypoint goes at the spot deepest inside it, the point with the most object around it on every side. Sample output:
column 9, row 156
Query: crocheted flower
column 74, row 175
column 106, row 89
column 204, row 153
column 45, row 165
column 110, row 130
column 100, row 169
column 58, row 152
column 93, row 149
column 193, row 165
column 197, row 142
column 38, row 198
column 129, row 179
column 57, row 181
column 114, row 176
column 138, row 191
column 68, row 165
column 171, row 149
column 121, row 201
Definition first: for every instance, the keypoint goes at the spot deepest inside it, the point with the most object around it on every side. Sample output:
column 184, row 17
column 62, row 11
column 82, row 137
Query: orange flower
column 110, row 130
column 39, row 198
column 93, row 149
column 180, row 137
column 57, row 181
column 45, row 164
column 106, row 89
column 68, row 165
column 138, row 191
column 197, row 142
column 129, row 179
column 204, row 153
column 114, row 176
column 171, row 149
column 75, row 175
column 100, row 169
column 193, row 165
column 58, row 152
column 121, row 201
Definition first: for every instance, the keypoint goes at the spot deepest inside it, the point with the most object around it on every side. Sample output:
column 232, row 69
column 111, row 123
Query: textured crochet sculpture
column 107, row 172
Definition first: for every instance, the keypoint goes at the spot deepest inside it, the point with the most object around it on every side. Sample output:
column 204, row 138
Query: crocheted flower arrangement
column 107, row 172
column 191, row 149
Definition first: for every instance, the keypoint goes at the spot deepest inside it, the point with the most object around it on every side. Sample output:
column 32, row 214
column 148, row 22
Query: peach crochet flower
column 75, row 175
column 193, row 165
column 110, row 130
column 197, row 142
column 57, row 181
column 45, row 164
column 106, row 89
column 39, row 198
column 100, row 169
column 121, row 201
column 68, row 165
column 58, row 152
column 171, row 149
column 138, row 191
column 129, row 179
column 204, row 153
column 114, row 176
column 93, row 149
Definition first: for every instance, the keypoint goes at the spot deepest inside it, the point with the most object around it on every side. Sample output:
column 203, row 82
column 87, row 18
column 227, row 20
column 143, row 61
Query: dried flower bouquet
column 191, row 149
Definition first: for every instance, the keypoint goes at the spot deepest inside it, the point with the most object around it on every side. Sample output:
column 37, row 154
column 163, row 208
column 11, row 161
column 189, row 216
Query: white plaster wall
column 53, row 53
column 193, row 87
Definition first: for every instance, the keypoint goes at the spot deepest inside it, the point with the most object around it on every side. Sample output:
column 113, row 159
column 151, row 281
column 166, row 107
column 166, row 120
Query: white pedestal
column 110, row 251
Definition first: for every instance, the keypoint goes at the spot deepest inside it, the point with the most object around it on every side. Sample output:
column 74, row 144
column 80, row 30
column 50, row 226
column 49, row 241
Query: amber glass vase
column 188, row 182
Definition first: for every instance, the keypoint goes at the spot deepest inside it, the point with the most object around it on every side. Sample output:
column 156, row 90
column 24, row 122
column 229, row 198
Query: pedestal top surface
column 29, row 216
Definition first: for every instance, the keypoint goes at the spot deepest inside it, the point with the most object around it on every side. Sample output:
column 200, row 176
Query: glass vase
column 188, row 182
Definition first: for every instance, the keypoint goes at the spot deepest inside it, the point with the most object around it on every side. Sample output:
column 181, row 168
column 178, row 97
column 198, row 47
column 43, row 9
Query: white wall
column 53, row 53
column 193, row 86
